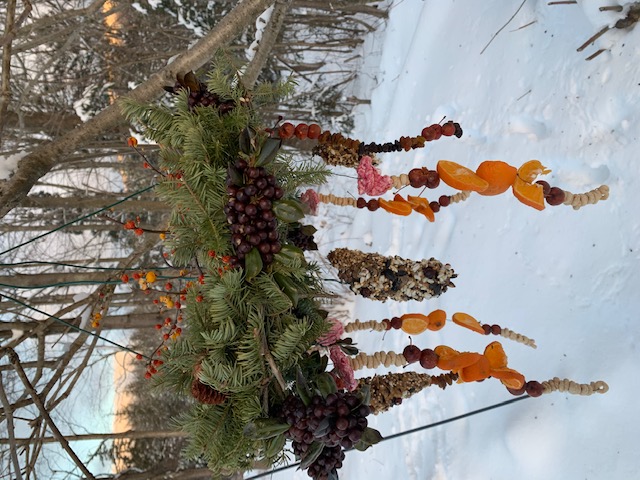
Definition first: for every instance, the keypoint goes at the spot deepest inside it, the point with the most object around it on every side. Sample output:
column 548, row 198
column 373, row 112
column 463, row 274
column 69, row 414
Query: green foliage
column 243, row 331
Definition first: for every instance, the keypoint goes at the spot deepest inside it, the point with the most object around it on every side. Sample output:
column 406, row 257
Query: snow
column 9, row 164
column 569, row 279
column 261, row 23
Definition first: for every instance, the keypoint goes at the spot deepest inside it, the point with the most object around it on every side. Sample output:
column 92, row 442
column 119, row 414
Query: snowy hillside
column 569, row 279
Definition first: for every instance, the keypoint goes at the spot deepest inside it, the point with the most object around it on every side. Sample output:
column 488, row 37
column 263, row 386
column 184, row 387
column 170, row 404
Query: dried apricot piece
column 445, row 352
column 460, row 361
column 530, row 170
column 528, row 193
column 476, row 371
column 467, row 321
column 396, row 207
column 437, row 319
column 414, row 323
column 460, row 177
column 509, row 377
column 498, row 174
column 495, row 354
column 421, row 205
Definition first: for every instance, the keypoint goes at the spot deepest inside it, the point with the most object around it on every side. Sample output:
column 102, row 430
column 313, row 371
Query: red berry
column 435, row 206
column 555, row 197
column 444, row 200
column 411, row 353
column 534, row 389
column 147, row 375
column 138, row 357
column 496, row 329
column 301, row 131
column 138, row 231
column 212, row 254
column 428, row 358
column 428, row 133
column 158, row 326
column 545, row 187
column 286, row 130
column 448, row 129
column 314, row 131
column 199, row 298
column 396, row 323
column 165, row 336
column 437, row 131
column 125, row 278
column 487, row 328
column 417, row 178
column 168, row 286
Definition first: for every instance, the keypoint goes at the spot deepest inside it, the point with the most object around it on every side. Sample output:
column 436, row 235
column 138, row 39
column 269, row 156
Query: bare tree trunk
column 42, row 159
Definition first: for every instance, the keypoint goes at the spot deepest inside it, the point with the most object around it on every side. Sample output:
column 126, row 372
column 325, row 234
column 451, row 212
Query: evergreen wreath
column 256, row 344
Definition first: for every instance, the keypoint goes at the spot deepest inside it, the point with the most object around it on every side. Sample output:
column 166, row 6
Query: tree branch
column 8, row 411
column 15, row 361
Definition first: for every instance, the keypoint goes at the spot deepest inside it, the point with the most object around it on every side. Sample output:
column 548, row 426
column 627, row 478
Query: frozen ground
column 567, row 278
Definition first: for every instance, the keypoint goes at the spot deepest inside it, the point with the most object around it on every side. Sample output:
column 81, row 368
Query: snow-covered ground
column 569, row 279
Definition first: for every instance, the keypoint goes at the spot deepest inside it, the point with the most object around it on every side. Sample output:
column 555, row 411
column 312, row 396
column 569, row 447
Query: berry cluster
column 249, row 211
column 302, row 131
column 199, row 94
column 553, row 195
column 337, row 421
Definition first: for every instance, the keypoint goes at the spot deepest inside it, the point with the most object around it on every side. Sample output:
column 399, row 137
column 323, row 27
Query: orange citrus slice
column 460, row 177
column 421, row 205
column 530, row 194
column 467, row 321
column 509, row 377
column 476, row 371
column 495, row 354
column 530, row 170
column 445, row 352
column 414, row 323
column 499, row 175
column 396, row 207
column 458, row 362
column 437, row 319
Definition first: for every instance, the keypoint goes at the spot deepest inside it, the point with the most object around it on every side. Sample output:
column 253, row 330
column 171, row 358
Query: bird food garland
column 255, row 343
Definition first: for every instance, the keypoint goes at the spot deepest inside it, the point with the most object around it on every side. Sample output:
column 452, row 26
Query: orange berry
column 286, row 130
column 124, row 278
column 499, row 175
column 301, row 131
column 138, row 231
column 459, row 177
column 132, row 142
column 314, row 131
column 151, row 277
column 130, row 225
column 166, row 336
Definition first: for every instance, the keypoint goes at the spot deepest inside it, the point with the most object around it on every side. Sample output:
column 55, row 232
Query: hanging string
column 77, row 220
column 74, row 327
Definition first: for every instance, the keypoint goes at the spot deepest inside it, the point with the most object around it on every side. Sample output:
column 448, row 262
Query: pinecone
column 199, row 95
column 381, row 278
column 302, row 237
column 389, row 390
column 206, row 394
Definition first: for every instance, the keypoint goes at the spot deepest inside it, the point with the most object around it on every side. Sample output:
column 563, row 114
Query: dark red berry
column 487, row 328
column 396, row 323
column 361, row 202
column 437, row 130
column 301, row 131
column 411, row 353
column 432, row 179
column 545, row 187
column 534, row 389
column 314, row 131
column 496, row 330
column 444, row 200
column 435, row 206
column 286, row 130
column 373, row 204
column 417, row 178
column 555, row 197
column 448, row 129
column 428, row 358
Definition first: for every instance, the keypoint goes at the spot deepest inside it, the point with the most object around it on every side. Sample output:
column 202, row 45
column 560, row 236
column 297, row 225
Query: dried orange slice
column 498, row 174
column 495, row 354
column 530, row 170
column 421, row 205
column 414, row 323
column 460, row 177
column 467, row 321
column 509, row 377
column 396, row 207
column 437, row 319
column 460, row 361
column 445, row 352
column 476, row 371
column 530, row 194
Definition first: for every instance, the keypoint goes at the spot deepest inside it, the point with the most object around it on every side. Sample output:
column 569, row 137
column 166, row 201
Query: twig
column 614, row 8
column 272, row 363
column 524, row 26
column 504, row 26
column 591, row 57
column 8, row 413
column 593, row 38
column 5, row 93
column 15, row 361
column 523, row 95
column 566, row 2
